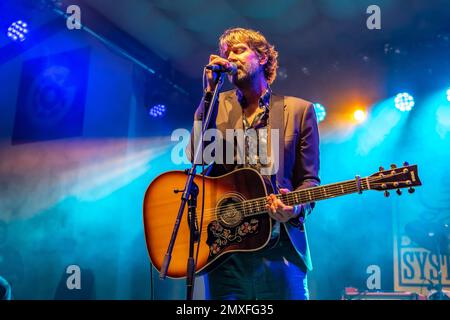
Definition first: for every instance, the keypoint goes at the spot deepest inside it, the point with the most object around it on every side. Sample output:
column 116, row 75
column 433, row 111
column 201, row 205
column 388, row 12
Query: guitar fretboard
column 257, row 206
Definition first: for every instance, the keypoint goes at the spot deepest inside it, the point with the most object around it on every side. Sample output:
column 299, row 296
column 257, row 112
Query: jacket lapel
column 278, row 113
column 233, row 110
column 278, row 120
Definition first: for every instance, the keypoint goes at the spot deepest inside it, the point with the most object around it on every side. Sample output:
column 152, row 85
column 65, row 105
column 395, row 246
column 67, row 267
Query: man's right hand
column 212, row 76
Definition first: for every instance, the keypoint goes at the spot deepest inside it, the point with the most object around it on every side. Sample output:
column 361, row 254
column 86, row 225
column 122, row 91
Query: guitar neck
column 357, row 185
column 326, row 191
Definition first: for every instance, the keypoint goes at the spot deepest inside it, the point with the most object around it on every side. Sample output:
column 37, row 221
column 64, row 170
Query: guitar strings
column 250, row 214
column 205, row 228
column 258, row 203
column 212, row 212
column 334, row 190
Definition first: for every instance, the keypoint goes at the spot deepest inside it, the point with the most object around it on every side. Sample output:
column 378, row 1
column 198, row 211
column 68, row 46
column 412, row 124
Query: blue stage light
column 404, row 102
column 18, row 31
column 320, row 112
column 448, row 94
column 157, row 111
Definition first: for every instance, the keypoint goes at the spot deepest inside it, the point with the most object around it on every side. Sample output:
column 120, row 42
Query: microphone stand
column 190, row 193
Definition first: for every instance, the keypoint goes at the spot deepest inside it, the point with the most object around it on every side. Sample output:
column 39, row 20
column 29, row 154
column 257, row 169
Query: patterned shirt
column 256, row 139
column 256, row 133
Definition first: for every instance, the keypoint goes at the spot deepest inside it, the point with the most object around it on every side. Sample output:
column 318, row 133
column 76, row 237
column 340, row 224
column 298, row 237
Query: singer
column 278, row 271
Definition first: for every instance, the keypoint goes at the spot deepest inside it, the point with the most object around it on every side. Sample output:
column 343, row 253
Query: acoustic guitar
column 235, row 218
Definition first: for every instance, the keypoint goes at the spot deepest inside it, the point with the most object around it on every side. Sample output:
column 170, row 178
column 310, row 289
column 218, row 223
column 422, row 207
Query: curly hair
column 257, row 42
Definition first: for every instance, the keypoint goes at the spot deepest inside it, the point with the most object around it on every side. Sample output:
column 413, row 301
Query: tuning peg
column 393, row 166
column 381, row 169
column 386, row 194
column 411, row 190
column 399, row 192
column 405, row 164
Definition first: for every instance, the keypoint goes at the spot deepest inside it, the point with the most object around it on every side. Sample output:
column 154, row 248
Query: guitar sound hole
column 229, row 212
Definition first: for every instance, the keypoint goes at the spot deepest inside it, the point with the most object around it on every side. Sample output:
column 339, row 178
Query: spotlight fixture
column 404, row 101
column 157, row 111
column 320, row 112
column 18, row 31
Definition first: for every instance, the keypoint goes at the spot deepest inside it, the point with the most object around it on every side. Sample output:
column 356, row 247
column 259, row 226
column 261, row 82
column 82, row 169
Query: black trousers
column 275, row 273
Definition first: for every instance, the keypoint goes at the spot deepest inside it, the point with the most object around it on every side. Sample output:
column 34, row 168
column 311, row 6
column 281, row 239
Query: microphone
column 219, row 68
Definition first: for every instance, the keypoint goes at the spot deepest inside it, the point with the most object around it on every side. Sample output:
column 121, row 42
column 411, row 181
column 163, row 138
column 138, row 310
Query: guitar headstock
column 395, row 178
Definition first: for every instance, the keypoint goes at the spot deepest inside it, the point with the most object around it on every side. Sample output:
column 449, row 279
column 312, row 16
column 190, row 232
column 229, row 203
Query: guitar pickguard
column 220, row 237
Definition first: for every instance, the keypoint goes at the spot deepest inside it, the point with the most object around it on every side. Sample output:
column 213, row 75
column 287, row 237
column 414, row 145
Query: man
column 277, row 271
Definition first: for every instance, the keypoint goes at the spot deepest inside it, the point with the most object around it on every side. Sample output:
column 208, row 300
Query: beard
column 244, row 75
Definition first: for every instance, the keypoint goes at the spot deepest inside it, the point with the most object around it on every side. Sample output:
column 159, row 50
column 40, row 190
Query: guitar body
column 225, row 229
column 235, row 218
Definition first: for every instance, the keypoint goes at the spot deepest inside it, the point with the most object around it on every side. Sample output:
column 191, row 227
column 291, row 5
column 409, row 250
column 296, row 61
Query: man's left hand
column 278, row 210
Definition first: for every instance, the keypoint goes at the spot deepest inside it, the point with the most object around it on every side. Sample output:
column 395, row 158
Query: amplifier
column 354, row 294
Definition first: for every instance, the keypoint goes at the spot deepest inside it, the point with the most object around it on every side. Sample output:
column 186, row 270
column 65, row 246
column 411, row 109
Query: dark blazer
column 299, row 137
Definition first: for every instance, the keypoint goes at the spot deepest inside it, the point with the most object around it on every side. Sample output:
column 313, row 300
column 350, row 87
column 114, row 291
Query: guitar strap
column 276, row 121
